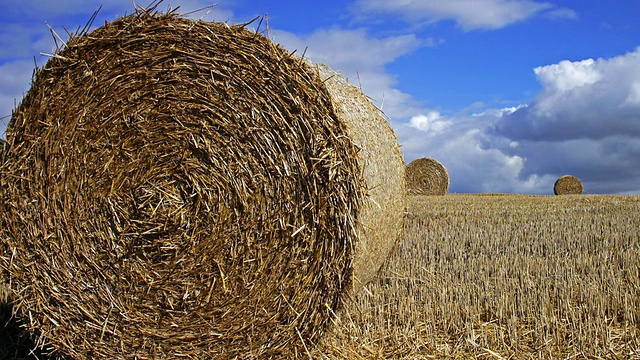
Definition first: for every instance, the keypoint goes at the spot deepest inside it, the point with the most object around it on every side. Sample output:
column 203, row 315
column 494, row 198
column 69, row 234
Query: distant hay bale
column 567, row 185
column 176, row 188
column 426, row 176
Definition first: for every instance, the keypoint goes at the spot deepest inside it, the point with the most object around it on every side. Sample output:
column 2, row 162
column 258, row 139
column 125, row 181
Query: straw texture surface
column 567, row 185
column 183, row 189
column 427, row 176
column 380, row 159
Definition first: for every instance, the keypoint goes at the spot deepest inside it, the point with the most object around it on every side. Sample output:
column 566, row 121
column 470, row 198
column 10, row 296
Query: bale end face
column 183, row 188
column 568, row 185
column 426, row 176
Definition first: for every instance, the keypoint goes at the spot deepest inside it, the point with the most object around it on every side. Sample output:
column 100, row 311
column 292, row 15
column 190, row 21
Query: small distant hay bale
column 177, row 188
column 568, row 185
column 426, row 176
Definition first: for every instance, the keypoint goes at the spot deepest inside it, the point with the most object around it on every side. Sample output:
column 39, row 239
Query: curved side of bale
column 427, row 176
column 568, row 185
column 381, row 218
column 180, row 189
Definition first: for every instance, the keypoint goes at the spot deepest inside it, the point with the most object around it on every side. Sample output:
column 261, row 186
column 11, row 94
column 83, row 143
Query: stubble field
column 504, row 276
column 495, row 276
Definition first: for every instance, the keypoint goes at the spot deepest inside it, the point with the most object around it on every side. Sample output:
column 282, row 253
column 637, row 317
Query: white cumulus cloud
column 581, row 99
column 585, row 122
column 568, row 75
column 361, row 58
column 469, row 14
column 430, row 122
column 476, row 159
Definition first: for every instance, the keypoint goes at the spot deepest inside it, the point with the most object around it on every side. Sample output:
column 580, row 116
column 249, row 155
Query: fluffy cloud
column 567, row 75
column 609, row 165
column 361, row 58
column 430, row 122
column 477, row 160
column 591, row 99
column 585, row 122
column 349, row 48
column 469, row 14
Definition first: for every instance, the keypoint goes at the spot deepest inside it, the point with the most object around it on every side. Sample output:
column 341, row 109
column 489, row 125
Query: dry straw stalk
column 177, row 188
column 427, row 176
column 567, row 185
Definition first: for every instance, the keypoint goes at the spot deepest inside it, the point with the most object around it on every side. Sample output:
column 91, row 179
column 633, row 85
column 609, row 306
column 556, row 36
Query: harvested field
column 502, row 276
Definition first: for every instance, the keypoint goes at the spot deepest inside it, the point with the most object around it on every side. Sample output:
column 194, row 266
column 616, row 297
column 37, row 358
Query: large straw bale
column 567, row 185
column 176, row 188
column 427, row 176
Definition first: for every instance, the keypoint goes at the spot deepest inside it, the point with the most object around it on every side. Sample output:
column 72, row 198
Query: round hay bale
column 178, row 188
column 426, row 176
column 567, row 185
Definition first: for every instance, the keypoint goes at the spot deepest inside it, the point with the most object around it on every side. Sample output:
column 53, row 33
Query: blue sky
column 508, row 94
